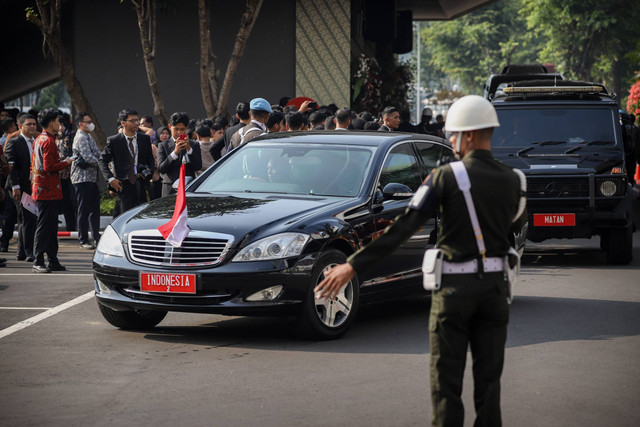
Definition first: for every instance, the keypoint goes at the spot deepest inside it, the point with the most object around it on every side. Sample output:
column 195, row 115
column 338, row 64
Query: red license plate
column 172, row 283
column 554, row 220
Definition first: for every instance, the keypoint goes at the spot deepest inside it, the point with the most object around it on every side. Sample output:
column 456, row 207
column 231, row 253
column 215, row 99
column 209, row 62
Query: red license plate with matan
column 554, row 220
column 172, row 283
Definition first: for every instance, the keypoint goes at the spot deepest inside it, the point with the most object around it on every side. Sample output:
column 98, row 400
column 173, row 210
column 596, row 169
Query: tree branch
column 249, row 18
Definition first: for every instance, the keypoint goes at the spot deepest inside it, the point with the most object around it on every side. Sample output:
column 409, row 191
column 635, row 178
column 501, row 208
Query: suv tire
column 618, row 243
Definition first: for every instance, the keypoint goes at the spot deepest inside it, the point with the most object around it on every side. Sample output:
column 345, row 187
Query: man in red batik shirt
column 47, row 191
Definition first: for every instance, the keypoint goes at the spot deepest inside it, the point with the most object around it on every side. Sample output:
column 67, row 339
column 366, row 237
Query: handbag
column 432, row 269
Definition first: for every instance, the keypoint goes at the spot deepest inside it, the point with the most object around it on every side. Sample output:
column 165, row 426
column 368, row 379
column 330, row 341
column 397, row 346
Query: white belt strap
column 462, row 177
column 488, row 265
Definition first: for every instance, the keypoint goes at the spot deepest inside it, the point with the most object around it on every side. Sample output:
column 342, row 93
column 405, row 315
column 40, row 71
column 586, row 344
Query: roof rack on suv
column 517, row 73
column 563, row 87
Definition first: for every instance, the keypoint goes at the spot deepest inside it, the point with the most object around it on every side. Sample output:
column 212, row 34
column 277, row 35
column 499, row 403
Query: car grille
column 557, row 187
column 198, row 249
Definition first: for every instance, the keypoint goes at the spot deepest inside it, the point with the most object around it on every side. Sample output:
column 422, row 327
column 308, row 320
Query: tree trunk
column 146, row 12
column 246, row 25
column 208, row 80
column 49, row 24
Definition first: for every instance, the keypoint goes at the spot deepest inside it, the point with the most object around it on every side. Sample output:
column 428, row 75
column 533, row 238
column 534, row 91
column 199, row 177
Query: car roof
column 350, row 137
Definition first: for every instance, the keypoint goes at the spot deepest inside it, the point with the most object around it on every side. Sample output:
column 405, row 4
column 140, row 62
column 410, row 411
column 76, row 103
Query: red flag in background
column 176, row 230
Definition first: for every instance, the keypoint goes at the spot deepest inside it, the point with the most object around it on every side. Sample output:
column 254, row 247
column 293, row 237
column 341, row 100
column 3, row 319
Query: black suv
column 566, row 137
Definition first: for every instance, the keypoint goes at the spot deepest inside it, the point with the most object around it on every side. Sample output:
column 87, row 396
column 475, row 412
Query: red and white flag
column 176, row 230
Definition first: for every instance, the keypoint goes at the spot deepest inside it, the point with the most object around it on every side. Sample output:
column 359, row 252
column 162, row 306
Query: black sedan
column 266, row 222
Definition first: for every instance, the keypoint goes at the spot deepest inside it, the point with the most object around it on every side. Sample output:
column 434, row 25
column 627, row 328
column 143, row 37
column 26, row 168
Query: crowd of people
column 139, row 162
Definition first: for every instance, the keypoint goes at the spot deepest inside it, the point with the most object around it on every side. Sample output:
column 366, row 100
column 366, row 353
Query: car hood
column 600, row 162
column 235, row 215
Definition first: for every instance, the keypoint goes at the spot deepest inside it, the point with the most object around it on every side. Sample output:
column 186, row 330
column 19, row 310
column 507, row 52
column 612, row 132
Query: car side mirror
column 176, row 183
column 395, row 191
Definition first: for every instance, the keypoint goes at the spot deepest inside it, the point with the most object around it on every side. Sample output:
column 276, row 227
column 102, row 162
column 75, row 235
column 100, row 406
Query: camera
column 145, row 172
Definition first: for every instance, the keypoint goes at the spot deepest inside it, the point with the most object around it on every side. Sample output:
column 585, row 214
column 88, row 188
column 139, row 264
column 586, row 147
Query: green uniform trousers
column 465, row 311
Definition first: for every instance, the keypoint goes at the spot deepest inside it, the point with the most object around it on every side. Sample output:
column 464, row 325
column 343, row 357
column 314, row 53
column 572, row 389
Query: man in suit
column 172, row 152
column 18, row 151
column 390, row 119
column 130, row 151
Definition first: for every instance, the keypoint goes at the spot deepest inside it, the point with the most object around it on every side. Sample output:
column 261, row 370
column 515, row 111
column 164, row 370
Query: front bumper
column 219, row 290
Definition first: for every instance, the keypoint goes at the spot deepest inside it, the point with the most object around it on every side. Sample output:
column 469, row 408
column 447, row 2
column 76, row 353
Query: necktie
column 132, row 175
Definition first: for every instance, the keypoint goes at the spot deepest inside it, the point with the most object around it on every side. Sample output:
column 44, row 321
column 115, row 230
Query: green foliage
column 54, row 96
column 107, row 203
column 476, row 45
column 584, row 38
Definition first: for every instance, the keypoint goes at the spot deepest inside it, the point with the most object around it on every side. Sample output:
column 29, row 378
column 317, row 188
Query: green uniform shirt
column 495, row 189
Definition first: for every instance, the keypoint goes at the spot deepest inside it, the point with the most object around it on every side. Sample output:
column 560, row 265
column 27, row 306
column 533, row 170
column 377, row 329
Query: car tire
column 326, row 320
column 134, row 320
column 619, row 246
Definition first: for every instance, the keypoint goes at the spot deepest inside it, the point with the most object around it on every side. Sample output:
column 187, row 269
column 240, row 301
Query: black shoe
column 3, row 260
column 21, row 257
column 4, row 248
column 30, row 259
column 40, row 269
column 57, row 267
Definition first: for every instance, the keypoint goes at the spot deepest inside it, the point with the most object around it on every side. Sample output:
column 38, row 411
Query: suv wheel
column 618, row 243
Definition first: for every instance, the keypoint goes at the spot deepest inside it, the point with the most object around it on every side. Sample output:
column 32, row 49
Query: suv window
column 401, row 166
column 522, row 127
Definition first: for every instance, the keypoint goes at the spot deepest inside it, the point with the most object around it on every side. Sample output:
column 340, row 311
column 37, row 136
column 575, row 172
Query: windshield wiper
column 587, row 143
column 537, row 144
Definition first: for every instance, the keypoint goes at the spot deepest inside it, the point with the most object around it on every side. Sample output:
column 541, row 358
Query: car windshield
column 327, row 170
column 539, row 130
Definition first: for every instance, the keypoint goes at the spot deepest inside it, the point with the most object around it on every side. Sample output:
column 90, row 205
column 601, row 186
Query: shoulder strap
column 462, row 178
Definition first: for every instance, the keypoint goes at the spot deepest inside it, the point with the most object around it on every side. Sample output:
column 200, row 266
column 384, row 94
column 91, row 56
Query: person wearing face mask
column 469, row 307
column 84, row 177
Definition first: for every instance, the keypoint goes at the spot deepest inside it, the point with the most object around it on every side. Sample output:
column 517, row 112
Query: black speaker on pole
column 379, row 20
column 403, row 42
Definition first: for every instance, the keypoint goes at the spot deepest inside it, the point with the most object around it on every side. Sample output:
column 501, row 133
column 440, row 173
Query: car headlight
column 109, row 243
column 608, row 188
column 274, row 247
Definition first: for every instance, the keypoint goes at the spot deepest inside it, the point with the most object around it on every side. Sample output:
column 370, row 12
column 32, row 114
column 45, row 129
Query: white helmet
column 471, row 112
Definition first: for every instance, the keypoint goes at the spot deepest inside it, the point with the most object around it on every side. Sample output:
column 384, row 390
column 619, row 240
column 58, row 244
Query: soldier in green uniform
column 471, row 306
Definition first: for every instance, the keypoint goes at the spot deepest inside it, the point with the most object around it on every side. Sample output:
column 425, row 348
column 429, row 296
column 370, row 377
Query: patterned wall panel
column 323, row 40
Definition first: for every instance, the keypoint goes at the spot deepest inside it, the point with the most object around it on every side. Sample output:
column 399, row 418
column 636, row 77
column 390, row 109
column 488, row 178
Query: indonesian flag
column 176, row 230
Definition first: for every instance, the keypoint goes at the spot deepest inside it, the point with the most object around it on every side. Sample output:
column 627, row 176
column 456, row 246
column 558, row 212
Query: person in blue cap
column 259, row 110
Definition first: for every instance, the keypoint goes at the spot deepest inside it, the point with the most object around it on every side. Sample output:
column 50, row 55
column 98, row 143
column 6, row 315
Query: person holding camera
column 129, row 151
column 84, row 177
column 175, row 150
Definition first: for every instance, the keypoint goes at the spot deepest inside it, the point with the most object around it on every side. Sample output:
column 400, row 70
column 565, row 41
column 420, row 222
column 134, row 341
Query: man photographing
column 471, row 306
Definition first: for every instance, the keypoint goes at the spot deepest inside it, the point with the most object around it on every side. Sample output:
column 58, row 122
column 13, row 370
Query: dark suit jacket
column 17, row 151
column 117, row 151
column 228, row 133
column 170, row 169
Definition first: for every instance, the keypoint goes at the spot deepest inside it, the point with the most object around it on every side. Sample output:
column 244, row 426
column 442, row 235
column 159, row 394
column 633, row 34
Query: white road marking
column 50, row 312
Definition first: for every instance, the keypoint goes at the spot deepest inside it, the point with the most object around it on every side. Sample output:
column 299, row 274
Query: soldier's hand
column 16, row 194
column 334, row 280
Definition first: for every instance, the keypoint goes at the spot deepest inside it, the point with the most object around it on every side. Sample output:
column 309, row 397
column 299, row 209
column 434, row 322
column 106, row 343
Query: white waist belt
column 469, row 267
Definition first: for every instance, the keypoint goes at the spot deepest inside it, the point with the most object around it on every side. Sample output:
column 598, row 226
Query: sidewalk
column 64, row 234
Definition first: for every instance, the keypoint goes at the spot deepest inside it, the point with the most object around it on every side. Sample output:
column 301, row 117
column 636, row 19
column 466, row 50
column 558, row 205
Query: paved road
column 572, row 356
